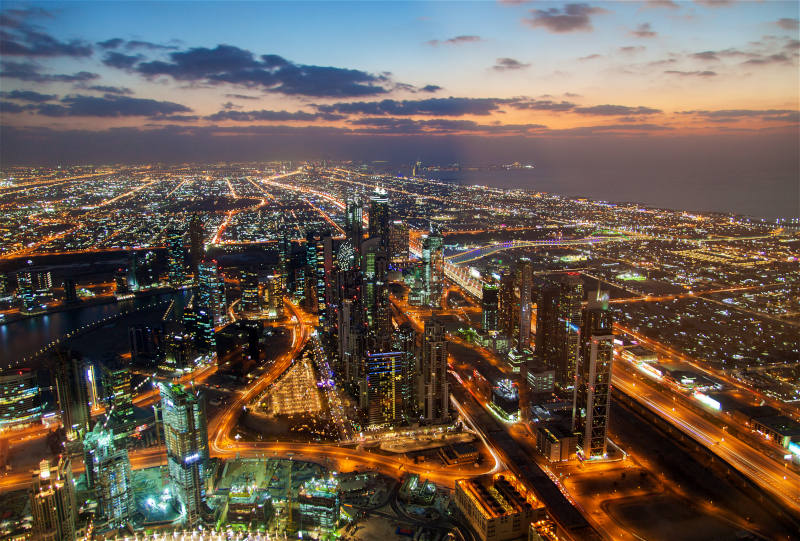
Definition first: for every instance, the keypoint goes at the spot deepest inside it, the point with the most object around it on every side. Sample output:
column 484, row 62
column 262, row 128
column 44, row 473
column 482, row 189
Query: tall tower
column 435, row 390
column 108, row 473
column 71, row 387
column 593, row 381
column 379, row 216
column 354, row 223
column 558, row 320
column 176, row 271
column 524, row 285
column 211, row 292
column 53, row 503
column 489, row 307
column 119, row 398
column 196, row 250
column 186, row 439
column 433, row 268
column 384, row 379
column 506, row 311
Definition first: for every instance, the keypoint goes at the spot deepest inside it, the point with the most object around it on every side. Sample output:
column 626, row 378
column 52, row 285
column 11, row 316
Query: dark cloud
column 616, row 110
column 573, row 18
column 788, row 23
column 630, row 49
column 505, row 64
column 121, row 61
column 706, row 55
column 671, row 4
column 644, row 30
column 277, row 116
column 242, row 97
column 778, row 58
column 28, row 95
column 11, row 107
column 430, row 88
column 111, row 105
column 30, row 71
column 272, row 73
column 545, row 105
column 458, row 40
column 111, row 43
column 738, row 114
column 432, row 106
column 147, row 45
column 438, row 126
column 179, row 118
column 704, row 73
column 20, row 38
column 109, row 89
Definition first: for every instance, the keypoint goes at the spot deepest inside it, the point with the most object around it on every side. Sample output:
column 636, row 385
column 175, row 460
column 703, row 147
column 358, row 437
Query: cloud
column 430, row 88
column 109, row 89
column 706, row 55
column 110, row 43
column 630, row 49
column 20, row 38
column 272, row 73
column 590, row 57
column 704, row 73
column 573, row 18
column 30, row 71
column 778, row 58
column 242, row 97
column 714, row 3
column 792, row 44
column 644, row 30
column 458, row 40
column 788, row 24
column 121, row 61
column 430, row 107
column 545, row 105
column 111, row 105
column 505, row 64
column 28, row 95
column 616, row 110
column 280, row 116
column 138, row 44
column 724, row 115
column 11, row 107
column 671, row 4
column 439, row 126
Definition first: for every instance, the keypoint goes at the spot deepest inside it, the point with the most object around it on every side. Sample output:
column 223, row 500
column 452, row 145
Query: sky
column 707, row 89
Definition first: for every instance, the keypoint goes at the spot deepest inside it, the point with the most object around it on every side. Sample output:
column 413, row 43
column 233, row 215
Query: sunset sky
column 194, row 73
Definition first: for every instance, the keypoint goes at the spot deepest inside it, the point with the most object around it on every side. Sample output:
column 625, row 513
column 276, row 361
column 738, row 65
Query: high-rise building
column 379, row 216
column 176, row 270
column 146, row 344
column 274, row 287
column 179, row 349
column 53, row 504
column 186, row 439
column 507, row 306
column 71, row 386
column 108, row 474
column 404, row 340
column 489, row 307
column 251, row 299
column 433, row 268
column 70, row 291
column 25, row 290
column 435, row 391
column 196, row 250
column 20, row 400
column 375, row 273
column 524, row 286
column 199, row 323
column 558, row 319
column 5, row 286
column 591, row 396
column 118, row 397
column 211, row 292
column 399, row 238
column 354, row 223
column 384, row 381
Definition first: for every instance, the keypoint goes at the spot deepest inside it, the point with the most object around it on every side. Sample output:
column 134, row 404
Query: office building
column 250, row 303
column 179, row 349
column 53, row 505
column 146, row 344
column 186, row 440
column 20, row 399
column 384, row 382
column 489, row 307
column 498, row 507
column 507, row 306
column 71, row 389
column 555, row 443
column 433, row 269
column 379, row 216
column 196, row 249
column 524, row 287
column 70, row 291
column 434, row 388
column 176, row 269
column 211, row 292
column 274, row 290
column 108, row 474
column 404, row 340
column 558, row 319
column 592, row 395
column 118, row 397
column 399, row 238
column 25, row 290
column 354, row 224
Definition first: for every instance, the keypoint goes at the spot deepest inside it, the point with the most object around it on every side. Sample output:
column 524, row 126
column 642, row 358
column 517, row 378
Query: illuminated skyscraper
column 435, row 391
column 70, row 291
column 399, row 236
column 108, row 473
column 433, row 268
column 211, row 292
column 186, row 439
column 524, row 285
column 274, row 290
column 404, row 340
column 116, row 378
column 507, row 306
column 176, row 270
column 558, row 319
column 354, row 223
column 20, row 400
column 196, row 250
column 25, row 290
column 591, row 397
column 489, row 307
column 53, row 505
column 251, row 300
column 384, row 381
column 379, row 216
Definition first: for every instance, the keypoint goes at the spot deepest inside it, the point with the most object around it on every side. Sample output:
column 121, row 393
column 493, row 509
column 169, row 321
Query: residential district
column 337, row 350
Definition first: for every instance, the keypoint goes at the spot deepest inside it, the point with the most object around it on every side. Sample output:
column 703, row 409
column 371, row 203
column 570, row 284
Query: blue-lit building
column 20, row 400
column 108, row 474
column 176, row 253
column 384, row 387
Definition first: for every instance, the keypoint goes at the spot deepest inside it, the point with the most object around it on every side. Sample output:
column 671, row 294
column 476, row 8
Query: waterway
column 21, row 338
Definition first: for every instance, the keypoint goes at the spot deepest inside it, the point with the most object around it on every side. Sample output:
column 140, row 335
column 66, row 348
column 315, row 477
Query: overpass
column 483, row 251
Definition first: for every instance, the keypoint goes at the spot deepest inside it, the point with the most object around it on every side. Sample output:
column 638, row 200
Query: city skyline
column 592, row 93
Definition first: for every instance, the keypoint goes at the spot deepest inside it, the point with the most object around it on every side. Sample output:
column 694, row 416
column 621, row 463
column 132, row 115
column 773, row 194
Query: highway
column 773, row 478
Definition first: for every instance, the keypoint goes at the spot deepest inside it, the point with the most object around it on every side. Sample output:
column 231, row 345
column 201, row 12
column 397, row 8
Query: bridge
column 461, row 276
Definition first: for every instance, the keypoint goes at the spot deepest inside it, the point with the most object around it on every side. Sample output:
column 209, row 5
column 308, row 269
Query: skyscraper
column 435, row 392
column 274, row 287
column 116, row 378
column 354, row 223
column 489, row 307
column 558, row 318
column 591, row 397
column 108, row 473
column 53, row 505
column 211, row 292
column 384, row 380
column 176, row 270
column 186, row 439
column 251, row 300
column 433, row 268
column 20, row 400
column 524, row 285
column 71, row 387
column 379, row 216
column 399, row 236
column 196, row 251
column 70, row 291
column 404, row 340
column 507, row 321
